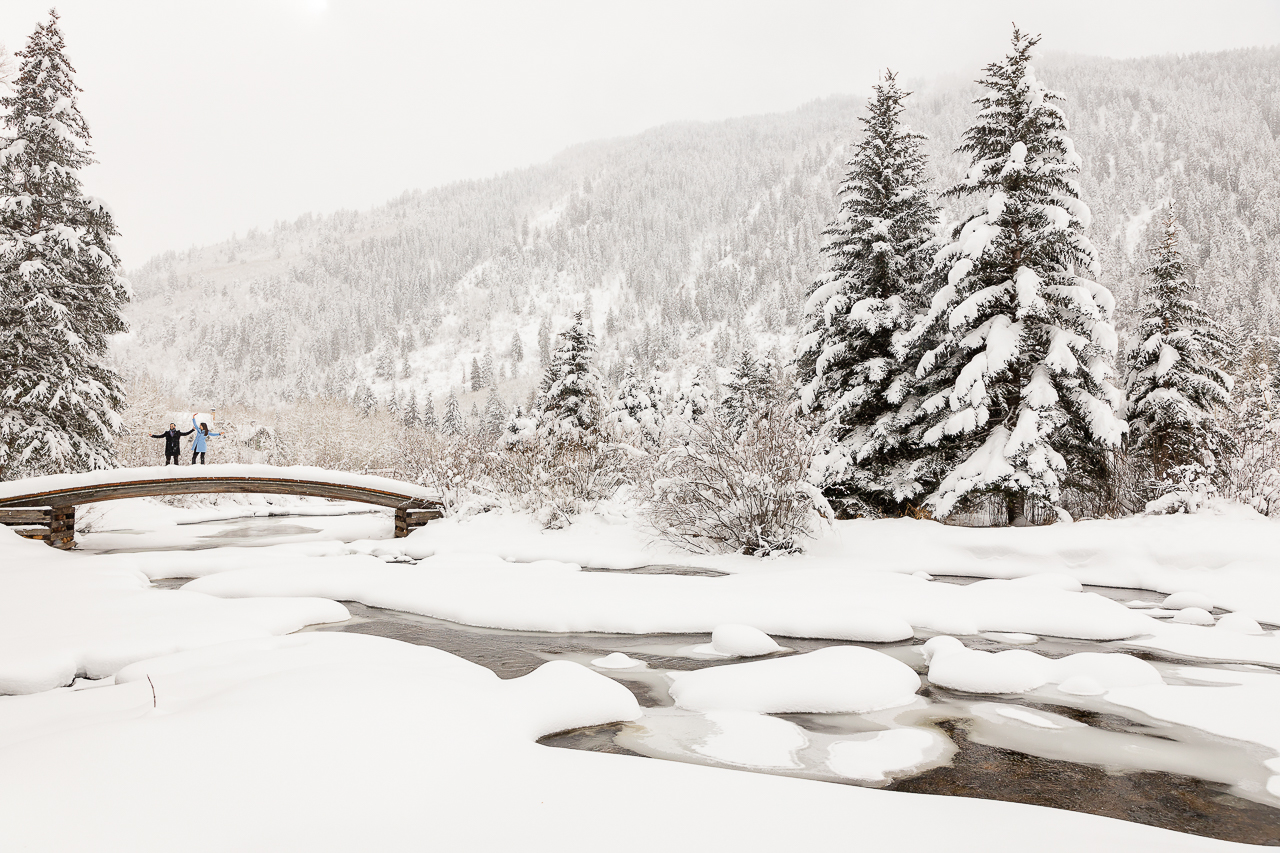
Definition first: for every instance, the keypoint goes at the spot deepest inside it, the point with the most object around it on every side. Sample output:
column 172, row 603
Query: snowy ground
column 197, row 719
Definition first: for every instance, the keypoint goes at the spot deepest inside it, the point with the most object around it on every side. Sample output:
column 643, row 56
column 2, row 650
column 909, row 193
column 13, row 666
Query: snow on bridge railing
column 299, row 474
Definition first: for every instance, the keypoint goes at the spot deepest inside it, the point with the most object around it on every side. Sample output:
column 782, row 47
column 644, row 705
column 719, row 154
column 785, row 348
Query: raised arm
column 161, row 435
column 188, row 432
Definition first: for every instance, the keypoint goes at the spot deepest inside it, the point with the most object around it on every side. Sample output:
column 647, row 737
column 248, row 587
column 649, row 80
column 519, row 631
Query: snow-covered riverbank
column 203, row 705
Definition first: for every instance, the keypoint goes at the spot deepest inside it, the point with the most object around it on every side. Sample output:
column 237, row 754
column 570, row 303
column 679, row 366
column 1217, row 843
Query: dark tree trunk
column 1015, row 506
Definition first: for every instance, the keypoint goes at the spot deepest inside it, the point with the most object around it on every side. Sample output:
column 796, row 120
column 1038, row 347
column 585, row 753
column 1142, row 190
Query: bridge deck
column 414, row 505
column 92, row 486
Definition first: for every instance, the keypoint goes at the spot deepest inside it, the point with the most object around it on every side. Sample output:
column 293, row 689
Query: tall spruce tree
column 60, row 294
column 1017, row 347
column 451, row 424
column 879, row 251
column 572, row 401
column 751, row 388
column 1173, row 381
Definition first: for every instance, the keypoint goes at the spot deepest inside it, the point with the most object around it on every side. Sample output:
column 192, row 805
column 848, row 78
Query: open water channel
column 1045, row 748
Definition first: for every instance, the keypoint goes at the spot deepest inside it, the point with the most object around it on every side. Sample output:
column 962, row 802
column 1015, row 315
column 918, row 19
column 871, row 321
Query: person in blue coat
column 202, row 436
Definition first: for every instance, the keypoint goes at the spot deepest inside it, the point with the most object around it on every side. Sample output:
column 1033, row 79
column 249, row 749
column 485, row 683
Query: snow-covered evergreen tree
column 452, row 424
column 428, row 416
column 879, row 250
column 1018, row 344
column 412, row 418
column 60, row 294
column 696, row 400
column 517, row 348
column 495, row 414
column 634, row 413
column 572, row 400
column 750, row 389
column 386, row 364
column 1174, row 384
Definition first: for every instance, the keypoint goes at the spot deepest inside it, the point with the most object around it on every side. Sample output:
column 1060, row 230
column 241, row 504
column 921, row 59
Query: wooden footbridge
column 45, row 507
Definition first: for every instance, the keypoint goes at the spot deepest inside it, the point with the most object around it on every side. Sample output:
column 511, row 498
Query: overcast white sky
column 216, row 116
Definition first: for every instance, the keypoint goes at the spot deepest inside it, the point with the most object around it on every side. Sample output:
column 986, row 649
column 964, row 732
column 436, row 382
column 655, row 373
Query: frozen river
column 1043, row 747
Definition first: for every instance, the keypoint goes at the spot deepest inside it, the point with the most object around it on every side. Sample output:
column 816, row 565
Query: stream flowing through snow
column 1043, row 747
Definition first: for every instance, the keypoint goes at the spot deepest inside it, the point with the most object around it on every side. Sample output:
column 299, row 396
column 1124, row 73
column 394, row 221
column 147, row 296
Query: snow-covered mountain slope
column 685, row 243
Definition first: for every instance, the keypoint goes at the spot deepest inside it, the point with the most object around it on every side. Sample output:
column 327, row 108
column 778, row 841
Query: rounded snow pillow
column 1189, row 598
column 742, row 641
column 1193, row 616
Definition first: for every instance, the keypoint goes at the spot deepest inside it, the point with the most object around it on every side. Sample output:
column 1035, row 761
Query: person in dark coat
column 171, row 438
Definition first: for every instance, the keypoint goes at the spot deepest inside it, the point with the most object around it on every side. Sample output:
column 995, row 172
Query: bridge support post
column 62, row 527
column 409, row 520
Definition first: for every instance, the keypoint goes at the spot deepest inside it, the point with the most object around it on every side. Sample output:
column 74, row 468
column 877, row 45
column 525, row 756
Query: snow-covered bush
column 557, row 480
column 1188, row 490
column 745, row 491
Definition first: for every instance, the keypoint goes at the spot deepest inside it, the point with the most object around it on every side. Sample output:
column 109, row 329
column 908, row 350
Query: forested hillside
column 686, row 244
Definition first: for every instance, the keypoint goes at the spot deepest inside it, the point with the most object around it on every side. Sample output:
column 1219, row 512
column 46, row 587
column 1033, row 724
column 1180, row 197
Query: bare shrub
column 745, row 492
column 557, row 480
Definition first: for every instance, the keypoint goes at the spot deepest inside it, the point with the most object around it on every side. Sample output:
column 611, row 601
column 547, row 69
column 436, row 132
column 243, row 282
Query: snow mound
column 63, row 615
column 1193, row 616
column 742, row 641
column 1187, row 598
column 959, row 668
column 839, row 679
column 954, row 666
column 1239, row 623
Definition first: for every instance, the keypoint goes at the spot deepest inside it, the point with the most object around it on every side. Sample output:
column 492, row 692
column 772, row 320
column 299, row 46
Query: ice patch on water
column 752, row 740
column 874, row 757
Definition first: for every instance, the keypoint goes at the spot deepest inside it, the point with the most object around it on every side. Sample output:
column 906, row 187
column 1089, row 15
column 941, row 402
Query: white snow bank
column 953, row 665
column 834, row 603
column 62, row 616
column 53, row 482
column 1197, row 641
column 1226, row 554
column 838, row 679
column 274, row 738
column 1240, row 705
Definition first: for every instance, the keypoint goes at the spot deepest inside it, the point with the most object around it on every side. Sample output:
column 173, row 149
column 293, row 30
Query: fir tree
column 428, row 417
column 1016, row 350
column 879, row 251
column 1173, row 382
column 517, row 348
column 60, row 295
column 696, row 400
column 544, row 342
column 477, row 375
column 451, row 424
column 386, row 364
column 634, row 414
column 487, row 377
column 412, row 419
column 572, row 400
column 495, row 414
column 474, row 422
column 750, row 389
